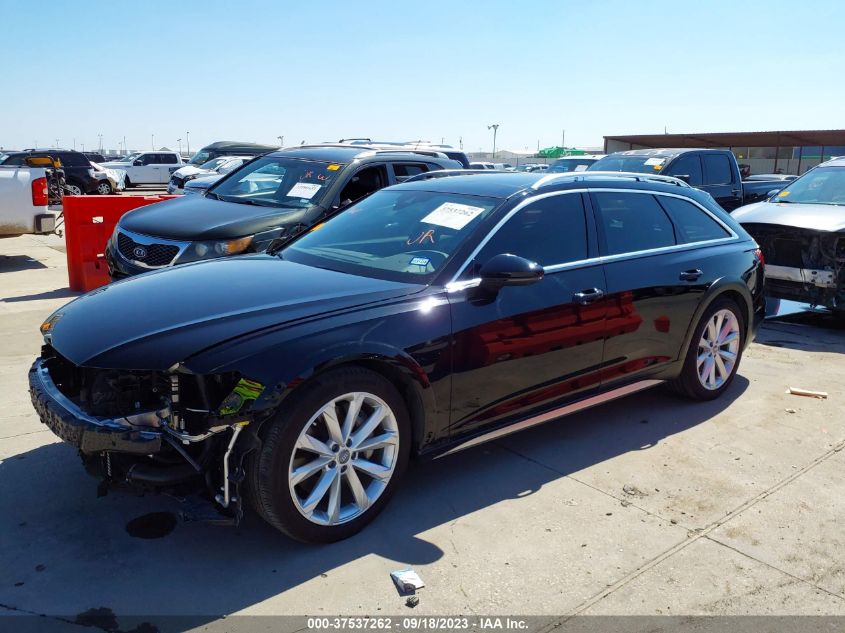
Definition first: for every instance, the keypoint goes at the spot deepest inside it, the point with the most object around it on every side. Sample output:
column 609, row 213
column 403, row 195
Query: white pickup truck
column 24, row 201
column 148, row 168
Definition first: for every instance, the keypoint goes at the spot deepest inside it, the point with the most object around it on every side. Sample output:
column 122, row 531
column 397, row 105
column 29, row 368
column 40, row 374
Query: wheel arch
column 734, row 290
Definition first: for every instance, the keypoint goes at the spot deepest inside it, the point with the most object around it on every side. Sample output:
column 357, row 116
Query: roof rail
column 584, row 175
column 444, row 173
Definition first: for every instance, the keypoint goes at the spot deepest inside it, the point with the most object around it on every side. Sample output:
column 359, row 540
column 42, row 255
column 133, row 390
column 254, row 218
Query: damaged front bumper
column 91, row 434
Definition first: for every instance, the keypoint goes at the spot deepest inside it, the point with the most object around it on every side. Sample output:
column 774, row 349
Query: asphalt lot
column 650, row 505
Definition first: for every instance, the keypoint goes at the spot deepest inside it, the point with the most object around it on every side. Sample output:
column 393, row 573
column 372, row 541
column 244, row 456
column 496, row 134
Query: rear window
column 633, row 222
column 691, row 223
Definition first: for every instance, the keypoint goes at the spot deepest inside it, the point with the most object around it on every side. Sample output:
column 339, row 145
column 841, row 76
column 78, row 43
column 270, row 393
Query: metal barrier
column 89, row 222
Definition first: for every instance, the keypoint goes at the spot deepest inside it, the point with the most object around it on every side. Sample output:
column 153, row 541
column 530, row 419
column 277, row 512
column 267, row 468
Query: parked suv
column 230, row 148
column 80, row 175
column 425, row 319
column 218, row 167
column 274, row 196
column 147, row 168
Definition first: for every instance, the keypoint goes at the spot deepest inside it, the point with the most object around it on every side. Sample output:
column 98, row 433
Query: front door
column 528, row 348
column 721, row 182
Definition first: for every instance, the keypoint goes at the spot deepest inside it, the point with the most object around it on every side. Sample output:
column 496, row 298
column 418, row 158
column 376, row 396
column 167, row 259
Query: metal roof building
column 787, row 152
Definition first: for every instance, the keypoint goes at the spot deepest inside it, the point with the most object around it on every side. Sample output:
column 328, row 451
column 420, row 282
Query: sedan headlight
column 210, row 249
column 190, row 177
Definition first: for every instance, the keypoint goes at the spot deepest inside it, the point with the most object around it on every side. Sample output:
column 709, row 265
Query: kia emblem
column 139, row 252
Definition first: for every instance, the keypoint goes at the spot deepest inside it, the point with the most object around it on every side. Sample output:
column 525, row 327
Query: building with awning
column 779, row 152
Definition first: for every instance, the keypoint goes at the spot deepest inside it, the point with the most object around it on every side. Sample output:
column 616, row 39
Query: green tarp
column 557, row 152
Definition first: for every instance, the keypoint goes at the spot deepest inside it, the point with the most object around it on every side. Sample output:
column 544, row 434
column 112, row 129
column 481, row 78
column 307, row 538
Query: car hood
column 816, row 217
column 190, row 170
column 155, row 320
column 201, row 218
column 203, row 182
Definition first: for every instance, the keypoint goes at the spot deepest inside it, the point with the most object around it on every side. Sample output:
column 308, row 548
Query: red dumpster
column 89, row 222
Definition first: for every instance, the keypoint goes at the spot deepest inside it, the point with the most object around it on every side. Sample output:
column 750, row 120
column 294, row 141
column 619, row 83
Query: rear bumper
column 89, row 434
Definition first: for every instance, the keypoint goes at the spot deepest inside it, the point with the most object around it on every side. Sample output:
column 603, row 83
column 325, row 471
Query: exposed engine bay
column 192, row 424
column 803, row 264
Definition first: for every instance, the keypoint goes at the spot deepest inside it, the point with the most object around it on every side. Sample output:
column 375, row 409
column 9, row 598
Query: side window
column 168, row 159
column 70, row 159
column 633, row 222
column 364, row 182
column 148, row 159
column 691, row 223
column 403, row 171
column 717, row 169
column 688, row 165
column 549, row 231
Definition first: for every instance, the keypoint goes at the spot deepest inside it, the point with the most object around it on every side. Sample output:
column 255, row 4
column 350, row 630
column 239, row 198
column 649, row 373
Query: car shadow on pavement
column 58, row 293
column 16, row 263
column 64, row 551
column 807, row 332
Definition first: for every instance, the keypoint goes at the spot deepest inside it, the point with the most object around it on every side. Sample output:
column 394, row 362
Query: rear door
column 721, row 181
column 530, row 347
column 167, row 164
column 658, row 251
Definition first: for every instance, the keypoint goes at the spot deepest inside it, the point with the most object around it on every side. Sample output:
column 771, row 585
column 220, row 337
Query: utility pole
column 74, row 143
column 152, row 141
column 188, row 140
column 461, row 142
column 563, row 138
column 179, row 140
column 495, row 128
column 101, row 141
column 281, row 140
column 124, row 145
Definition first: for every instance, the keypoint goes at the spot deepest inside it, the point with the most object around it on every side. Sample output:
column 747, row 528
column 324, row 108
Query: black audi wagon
column 427, row 318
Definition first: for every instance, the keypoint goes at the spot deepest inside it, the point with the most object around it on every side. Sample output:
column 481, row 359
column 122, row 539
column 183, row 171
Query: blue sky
column 256, row 69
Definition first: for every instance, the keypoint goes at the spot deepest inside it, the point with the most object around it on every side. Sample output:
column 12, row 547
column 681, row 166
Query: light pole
column 74, row 143
column 152, row 141
column 188, row 140
column 100, row 136
column 57, row 143
column 179, row 140
column 281, row 140
column 495, row 128
column 83, row 147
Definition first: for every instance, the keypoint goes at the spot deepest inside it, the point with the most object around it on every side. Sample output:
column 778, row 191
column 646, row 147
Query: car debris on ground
column 806, row 392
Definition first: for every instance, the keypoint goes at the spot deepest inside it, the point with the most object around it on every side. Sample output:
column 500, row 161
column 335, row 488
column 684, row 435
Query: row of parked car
column 395, row 303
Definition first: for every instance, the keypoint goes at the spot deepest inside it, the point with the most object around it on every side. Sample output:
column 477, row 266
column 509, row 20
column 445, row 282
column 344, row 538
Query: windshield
column 279, row 182
column 131, row 158
column 398, row 235
column 639, row 163
column 199, row 158
column 822, row 185
column 565, row 165
column 214, row 163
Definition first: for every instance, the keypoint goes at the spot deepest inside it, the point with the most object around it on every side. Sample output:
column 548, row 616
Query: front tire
column 104, row 188
column 714, row 353
column 331, row 459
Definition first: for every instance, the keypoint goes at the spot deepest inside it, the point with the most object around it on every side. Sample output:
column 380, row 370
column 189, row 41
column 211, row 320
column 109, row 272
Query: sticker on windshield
column 304, row 190
column 580, row 168
column 655, row 161
column 419, row 261
column 453, row 215
column 783, row 194
column 333, row 167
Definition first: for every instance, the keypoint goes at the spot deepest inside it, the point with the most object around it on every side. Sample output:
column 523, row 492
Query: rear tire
column 73, row 189
column 714, row 353
column 322, row 474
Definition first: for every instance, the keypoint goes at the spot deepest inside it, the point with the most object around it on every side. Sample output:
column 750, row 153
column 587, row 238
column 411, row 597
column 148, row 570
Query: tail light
column 759, row 255
column 40, row 197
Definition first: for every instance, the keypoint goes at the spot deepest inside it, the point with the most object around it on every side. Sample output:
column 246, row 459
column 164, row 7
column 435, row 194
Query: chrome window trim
column 456, row 284
column 148, row 240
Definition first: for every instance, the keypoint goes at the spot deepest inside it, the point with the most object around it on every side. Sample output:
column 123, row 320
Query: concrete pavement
column 649, row 505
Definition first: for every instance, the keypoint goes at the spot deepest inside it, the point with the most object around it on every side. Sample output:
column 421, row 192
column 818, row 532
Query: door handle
column 587, row 296
column 735, row 192
column 691, row 275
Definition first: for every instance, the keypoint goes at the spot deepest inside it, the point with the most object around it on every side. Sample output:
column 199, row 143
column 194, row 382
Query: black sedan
column 429, row 317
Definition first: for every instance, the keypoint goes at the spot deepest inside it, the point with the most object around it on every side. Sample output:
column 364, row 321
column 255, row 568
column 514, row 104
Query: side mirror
column 138, row 163
column 509, row 270
column 773, row 193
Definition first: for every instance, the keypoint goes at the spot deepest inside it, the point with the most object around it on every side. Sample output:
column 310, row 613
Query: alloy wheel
column 344, row 458
column 718, row 349
column 73, row 190
column 104, row 189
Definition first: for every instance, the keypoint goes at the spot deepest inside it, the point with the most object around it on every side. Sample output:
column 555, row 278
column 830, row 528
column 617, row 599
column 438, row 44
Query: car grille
column 177, row 182
column 153, row 255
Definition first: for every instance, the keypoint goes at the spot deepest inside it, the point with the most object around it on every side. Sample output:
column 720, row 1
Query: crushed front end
column 803, row 264
column 171, row 431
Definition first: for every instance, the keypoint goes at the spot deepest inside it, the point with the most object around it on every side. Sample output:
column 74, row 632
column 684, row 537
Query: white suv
column 148, row 168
